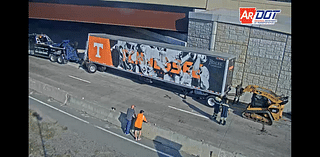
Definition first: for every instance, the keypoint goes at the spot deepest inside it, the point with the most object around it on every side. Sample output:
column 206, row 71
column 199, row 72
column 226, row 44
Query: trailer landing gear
column 185, row 92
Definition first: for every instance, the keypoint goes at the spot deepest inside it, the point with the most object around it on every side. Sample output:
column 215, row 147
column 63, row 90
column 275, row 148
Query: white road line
column 188, row 112
column 79, row 79
column 108, row 131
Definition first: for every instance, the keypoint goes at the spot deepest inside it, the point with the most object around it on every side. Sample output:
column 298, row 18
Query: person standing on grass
column 138, row 124
column 130, row 114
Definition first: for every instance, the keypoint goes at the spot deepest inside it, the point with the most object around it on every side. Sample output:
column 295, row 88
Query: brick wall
column 199, row 33
column 263, row 57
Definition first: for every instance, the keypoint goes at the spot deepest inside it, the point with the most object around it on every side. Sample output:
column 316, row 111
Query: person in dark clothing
column 216, row 107
column 239, row 91
column 224, row 113
column 130, row 114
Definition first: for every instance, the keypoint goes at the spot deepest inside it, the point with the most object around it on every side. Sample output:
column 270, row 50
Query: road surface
column 164, row 107
column 95, row 130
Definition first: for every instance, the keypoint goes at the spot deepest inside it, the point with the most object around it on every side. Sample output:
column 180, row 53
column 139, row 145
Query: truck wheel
column 60, row 60
column 30, row 48
column 210, row 100
column 91, row 68
column 52, row 58
column 31, row 52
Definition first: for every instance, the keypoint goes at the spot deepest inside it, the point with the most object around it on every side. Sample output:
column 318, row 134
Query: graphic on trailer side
column 190, row 69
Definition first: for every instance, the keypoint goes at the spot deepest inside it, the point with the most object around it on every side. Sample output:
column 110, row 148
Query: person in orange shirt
column 138, row 124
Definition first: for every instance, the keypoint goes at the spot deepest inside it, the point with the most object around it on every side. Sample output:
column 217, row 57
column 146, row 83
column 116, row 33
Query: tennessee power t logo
column 261, row 17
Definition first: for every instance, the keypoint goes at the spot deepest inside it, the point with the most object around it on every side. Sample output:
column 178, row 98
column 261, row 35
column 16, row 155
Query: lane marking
column 79, row 79
column 188, row 112
column 103, row 129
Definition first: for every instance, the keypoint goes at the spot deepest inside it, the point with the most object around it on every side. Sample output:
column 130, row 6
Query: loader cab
column 259, row 101
column 265, row 105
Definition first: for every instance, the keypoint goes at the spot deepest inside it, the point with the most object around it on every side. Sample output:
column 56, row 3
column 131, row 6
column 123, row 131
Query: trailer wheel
column 91, row 68
column 102, row 68
column 210, row 100
column 52, row 58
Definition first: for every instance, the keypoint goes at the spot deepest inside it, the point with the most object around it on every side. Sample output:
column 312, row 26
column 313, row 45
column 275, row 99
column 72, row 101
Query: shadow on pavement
column 238, row 108
column 166, row 146
column 287, row 115
column 197, row 109
column 123, row 120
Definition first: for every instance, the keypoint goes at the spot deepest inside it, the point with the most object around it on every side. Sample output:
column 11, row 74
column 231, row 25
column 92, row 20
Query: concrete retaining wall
column 169, row 138
column 48, row 90
column 263, row 56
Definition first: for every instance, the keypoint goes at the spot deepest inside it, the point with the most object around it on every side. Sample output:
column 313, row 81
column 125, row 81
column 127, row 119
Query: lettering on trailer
column 261, row 17
column 190, row 69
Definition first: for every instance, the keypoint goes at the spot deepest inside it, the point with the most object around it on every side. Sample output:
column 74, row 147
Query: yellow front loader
column 265, row 106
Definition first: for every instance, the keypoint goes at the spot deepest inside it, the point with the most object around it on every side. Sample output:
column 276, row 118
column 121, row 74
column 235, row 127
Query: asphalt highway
column 100, row 132
column 165, row 108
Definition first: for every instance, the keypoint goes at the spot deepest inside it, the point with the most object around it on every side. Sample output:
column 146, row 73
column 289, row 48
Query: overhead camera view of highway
column 159, row 78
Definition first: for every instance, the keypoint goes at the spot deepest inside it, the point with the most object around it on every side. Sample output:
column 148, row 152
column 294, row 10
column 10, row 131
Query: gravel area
column 48, row 138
